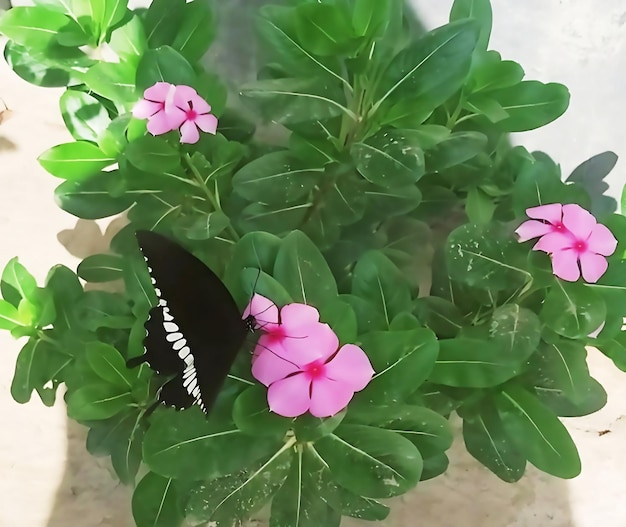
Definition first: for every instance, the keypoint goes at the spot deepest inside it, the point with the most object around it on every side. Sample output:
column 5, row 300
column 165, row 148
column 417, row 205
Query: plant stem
column 209, row 195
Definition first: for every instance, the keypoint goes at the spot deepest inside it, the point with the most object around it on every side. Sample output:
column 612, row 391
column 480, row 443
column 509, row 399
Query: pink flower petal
column 207, row 123
column 144, row 109
column 158, row 91
column 602, row 241
column 319, row 343
column 329, row 397
column 268, row 367
column 565, row 265
column 579, row 222
column 183, row 94
column 159, row 124
column 199, row 104
column 290, row 397
column 295, row 315
column 189, row 133
column 176, row 117
column 531, row 229
column 554, row 241
column 264, row 311
column 551, row 212
column 593, row 266
column 350, row 366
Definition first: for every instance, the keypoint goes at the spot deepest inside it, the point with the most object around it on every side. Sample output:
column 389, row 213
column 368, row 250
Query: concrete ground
column 48, row 479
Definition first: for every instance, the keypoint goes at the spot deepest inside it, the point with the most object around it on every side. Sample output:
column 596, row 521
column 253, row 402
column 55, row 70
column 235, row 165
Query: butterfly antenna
column 277, row 355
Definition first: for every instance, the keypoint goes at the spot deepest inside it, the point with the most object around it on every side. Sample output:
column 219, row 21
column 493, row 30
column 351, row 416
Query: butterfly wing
column 196, row 330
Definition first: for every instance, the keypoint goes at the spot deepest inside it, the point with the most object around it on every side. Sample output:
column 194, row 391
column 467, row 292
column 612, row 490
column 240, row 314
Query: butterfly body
column 195, row 331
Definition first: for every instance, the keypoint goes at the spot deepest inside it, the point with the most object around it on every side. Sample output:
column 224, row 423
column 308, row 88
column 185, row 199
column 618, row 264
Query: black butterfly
column 195, row 331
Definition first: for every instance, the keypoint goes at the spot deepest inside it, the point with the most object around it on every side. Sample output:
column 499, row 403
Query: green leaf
column 427, row 430
column 156, row 502
column 309, row 428
column 74, row 161
column 101, row 268
column 531, row 104
column 106, row 14
column 486, row 256
column 370, row 18
column 573, row 309
column 109, row 364
column 17, row 283
column 479, row 10
column 303, row 271
column 66, row 291
column 340, row 316
column 206, row 226
column 113, row 80
column 402, row 360
column 252, row 415
column 389, row 159
column 164, row 64
column 85, row 116
column 9, row 316
column 439, row 315
column 35, row 68
column 275, row 178
column 487, row 441
column 273, row 219
column 434, row 67
column 591, row 175
column 195, row 32
column 162, row 21
column 370, row 461
column 153, row 154
column 479, row 207
column 37, row 363
column 455, row 149
column 490, row 72
column 96, row 401
column 92, row 198
column 516, row 331
column 322, row 29
column 129, row 41
column 298, row 503
column 590, row 398
column 378, row 280
column 538, row 433
column 472, row 363
column 393, row 201
column 176, row 440
column 32, row 27
column 236, row 496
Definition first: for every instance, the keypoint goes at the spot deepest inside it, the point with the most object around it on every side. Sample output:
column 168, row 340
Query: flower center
column 580, row 246
column 559, row 227
column 315, row 369
column 191, row 114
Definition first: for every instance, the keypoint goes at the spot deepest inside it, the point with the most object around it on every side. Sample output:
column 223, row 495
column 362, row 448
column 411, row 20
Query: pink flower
column 297, row 359
column 152, row 107
column 573, row 239
column 168, row 107
column 190, row 112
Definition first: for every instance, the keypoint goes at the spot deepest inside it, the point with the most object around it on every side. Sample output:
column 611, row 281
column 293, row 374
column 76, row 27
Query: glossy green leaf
column 455, row 149
column 195, row 32
column 538, row 433
column 276, row 178
column 531, row 104
column 162, row 21
column 402, row 361
column 309, row 428
column 486, row 256
column 389, row 159
column 378, row 280
column 371, row 461
column 393, row 201
column 109, row 364
column 276, row 219
column 479, row 207
column 164, row 64
column 572, row 309
column 340, row 316
column 471, row 363
column 591, row 175
column 101, row 268
column 84, row 116
column 66, row 290
column 176, row 440
column 17, row 283
column 439, row 315
column 113, row 80
column 434, row 67
column 479, row 10
column 590, row 398
column 96, row 401
column 370, row 18
column 516, row 332
column 106, row 14
column 33, row 27
column 322, row 29
column 236, row 496
column 427, row 430
column 303, row 271
column 156, row 503
column 252, row 415
column 129, row 41
column 490, row 72
column 35, row 68
column 153, row 154
column 487, row 441
column 74, row 161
